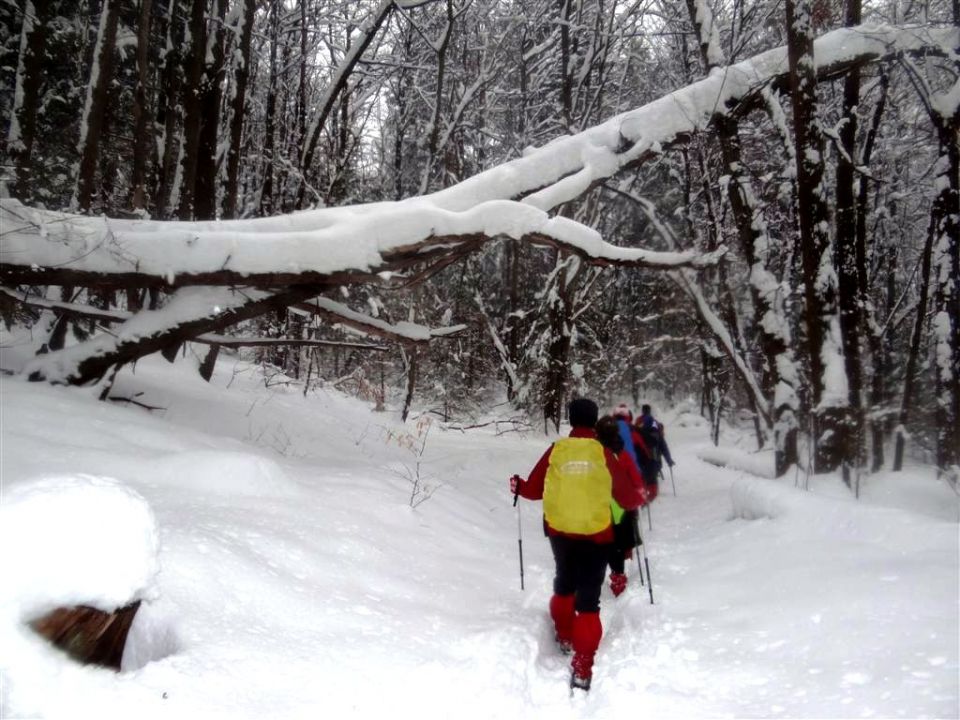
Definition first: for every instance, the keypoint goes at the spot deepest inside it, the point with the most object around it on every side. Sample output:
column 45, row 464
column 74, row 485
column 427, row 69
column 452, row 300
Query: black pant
column 581, row 568
column 624, row 538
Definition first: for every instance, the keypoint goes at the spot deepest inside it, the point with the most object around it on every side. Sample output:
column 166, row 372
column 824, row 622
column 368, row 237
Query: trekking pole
column 646, row 562
column 636, row 546
column 672, row 482
column 516, row 495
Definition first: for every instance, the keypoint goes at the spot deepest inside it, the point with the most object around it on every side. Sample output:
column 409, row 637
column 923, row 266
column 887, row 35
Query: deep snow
column 295, row 579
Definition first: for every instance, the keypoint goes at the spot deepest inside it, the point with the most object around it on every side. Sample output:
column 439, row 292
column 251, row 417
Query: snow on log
column 404, row 332
column 335, row 246
column 189, row 313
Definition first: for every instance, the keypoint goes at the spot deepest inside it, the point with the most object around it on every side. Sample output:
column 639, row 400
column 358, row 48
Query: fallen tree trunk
column 190, row 312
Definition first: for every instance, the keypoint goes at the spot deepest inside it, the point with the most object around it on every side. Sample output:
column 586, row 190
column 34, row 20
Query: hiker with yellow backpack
column 576, row 478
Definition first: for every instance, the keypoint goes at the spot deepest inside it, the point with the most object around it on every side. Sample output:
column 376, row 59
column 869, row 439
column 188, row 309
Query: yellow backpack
column 578, row 487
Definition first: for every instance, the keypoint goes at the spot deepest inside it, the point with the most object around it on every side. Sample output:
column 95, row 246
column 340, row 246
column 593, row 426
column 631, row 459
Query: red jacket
column 636, row 477
column 624, row 491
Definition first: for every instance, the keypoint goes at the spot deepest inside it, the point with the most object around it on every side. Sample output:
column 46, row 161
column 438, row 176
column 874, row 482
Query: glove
column 515, row 484
column 671, row 463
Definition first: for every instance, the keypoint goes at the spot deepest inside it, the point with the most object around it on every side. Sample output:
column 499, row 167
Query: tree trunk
column 847, row 266
column 412, row 361
column 558, row 348
column 827, row 372
column 269, row 142
column 913, row 356
column 95, row 106
column 779, row 368
column 168, row 111
column 879, row 346
column 434, row 135
column 141, row 140
column 205, row 186
column 946, row 265
column 241, row 75
column 566, row 95
column 191, row 96
column 26, row 97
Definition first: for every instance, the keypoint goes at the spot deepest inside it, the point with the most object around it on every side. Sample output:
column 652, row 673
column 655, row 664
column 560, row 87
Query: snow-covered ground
column 295, row 579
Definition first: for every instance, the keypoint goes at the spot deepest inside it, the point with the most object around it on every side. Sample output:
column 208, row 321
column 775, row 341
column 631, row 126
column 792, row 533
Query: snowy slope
column 295, row 580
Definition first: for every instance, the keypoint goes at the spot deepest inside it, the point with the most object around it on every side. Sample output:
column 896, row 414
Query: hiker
column 620, row 439
column 577, row 478
column 655, row 447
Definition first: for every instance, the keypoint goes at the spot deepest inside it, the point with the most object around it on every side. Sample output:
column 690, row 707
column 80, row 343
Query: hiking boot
column 581, row 672
column 618, row 583
column 564, row 646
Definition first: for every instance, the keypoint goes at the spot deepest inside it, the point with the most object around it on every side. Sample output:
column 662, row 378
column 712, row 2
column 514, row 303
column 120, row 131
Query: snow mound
column 75, row 540
column 215, row 472
column 844, row 519
column 755, row 463
column 755, row 500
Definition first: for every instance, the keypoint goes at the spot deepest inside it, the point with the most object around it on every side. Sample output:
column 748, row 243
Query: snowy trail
column 296, row 579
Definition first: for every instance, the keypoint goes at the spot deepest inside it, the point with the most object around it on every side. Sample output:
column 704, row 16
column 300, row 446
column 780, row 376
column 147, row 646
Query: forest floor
column 302, row 572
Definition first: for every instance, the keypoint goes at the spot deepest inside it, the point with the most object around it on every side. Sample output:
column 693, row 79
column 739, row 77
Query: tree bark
column 847, row 257
column 269, row 142
column 827, row 372
column 205, row 186
column 946, row 265
column 141, row 140
column 879, row 346
column 168, row 111
column 412, row 358
column 779, row 368
column 23, row 116
column 241, row 75
column 95, row 106
column 191, row 95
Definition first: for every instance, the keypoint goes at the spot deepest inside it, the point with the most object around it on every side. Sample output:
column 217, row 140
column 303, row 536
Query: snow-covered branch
column 340, row 245
column 404, row 332
column 189, row 313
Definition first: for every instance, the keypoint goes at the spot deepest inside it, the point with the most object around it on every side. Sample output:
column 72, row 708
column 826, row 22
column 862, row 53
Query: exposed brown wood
column 88, row 635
